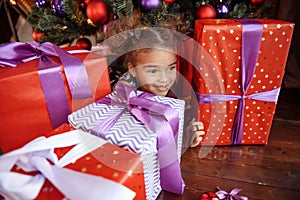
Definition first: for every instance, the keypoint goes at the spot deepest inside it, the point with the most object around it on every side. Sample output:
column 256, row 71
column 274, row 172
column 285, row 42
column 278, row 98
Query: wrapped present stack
column 40, row 84
column 142, row 123
column 71, row 164
column 237, row 96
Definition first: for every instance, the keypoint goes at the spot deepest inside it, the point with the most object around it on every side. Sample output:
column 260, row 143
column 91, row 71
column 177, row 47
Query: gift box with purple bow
column 148, row 125
column 41, row 84
column 238, row 94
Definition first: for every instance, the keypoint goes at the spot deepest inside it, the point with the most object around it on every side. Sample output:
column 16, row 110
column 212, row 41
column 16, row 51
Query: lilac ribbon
column 233, row 195
column 251, row 37
column 160, row 118
column 12, row 54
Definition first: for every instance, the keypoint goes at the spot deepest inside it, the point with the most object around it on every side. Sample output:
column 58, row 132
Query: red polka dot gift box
column 238, row 80
column 71, row 164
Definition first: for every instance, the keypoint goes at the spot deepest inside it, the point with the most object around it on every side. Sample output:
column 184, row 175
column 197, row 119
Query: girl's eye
column 152, row 71
column 171, row 68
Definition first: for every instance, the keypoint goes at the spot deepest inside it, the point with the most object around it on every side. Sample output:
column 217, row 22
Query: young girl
column 151, row 67
column 149, row 58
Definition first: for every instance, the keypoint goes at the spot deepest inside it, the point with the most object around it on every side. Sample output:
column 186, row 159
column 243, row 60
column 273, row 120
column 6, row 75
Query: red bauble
column 205, row 11
column 97, row 11
column 36, row 36
column 84, row 43
column 256, row 3
column 87, row 2
column 209, row 196
column 170, row 2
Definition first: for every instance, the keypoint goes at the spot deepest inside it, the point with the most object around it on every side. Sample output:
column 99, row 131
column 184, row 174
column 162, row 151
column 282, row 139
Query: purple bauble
column 57, row 7
column 222, row 9
column 147, row 5
column 40, row 3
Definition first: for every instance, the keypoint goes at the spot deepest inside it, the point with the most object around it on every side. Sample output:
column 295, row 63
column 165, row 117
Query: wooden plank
column 195, row 186
column 269, row 171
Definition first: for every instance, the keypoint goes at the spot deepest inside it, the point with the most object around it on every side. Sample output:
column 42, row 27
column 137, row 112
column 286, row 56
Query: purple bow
column 251, row 37
column 12, row 54
column 233, row 195
column 160, row 118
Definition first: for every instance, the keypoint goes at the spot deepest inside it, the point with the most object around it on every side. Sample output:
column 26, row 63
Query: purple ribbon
column 251, row 37
column 12, row 54
column 160, row 118
column 233, row 195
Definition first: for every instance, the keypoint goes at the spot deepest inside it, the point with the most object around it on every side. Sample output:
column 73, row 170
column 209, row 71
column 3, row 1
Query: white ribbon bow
column 74, row 185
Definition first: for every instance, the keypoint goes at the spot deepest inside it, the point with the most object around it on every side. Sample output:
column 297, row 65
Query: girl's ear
column 131, row 69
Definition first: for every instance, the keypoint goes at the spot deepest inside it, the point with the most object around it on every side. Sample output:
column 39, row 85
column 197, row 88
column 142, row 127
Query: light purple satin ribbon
column 160, row 118
column 233, row 195
column 12, row 54
column 251, row 38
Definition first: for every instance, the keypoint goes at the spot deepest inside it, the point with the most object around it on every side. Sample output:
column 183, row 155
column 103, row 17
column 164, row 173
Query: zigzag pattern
column 151, row 175
column 132, row 135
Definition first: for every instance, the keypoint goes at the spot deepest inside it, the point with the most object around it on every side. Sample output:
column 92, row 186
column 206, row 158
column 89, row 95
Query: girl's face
column 155, row 71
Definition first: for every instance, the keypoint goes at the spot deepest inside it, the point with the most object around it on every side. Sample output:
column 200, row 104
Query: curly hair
column 132, row 32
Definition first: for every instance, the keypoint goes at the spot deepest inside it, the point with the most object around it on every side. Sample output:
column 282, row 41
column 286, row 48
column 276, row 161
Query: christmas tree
column 63, row 21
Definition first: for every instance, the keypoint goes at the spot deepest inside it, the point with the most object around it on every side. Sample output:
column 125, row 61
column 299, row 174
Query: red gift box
column 105, row 161
column 25, row 106
column 238, row 92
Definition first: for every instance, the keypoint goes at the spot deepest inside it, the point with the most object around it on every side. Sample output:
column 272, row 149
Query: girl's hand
column 197, row 128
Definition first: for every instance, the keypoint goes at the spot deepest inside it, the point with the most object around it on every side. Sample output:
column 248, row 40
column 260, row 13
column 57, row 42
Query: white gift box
column 131, row 134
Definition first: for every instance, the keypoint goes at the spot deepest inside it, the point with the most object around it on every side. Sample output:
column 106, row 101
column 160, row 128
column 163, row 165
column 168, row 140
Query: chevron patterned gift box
column 120, row 118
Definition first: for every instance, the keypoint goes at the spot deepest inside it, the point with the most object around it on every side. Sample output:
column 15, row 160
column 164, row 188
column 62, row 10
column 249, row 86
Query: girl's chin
column 160, row 93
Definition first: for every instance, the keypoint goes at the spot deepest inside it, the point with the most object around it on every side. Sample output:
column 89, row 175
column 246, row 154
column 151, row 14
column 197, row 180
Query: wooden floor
column 264, row 172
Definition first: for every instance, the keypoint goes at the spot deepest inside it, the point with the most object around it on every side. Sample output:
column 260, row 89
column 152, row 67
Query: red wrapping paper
column 222, row 40
column 23, row 111
column 107, row 161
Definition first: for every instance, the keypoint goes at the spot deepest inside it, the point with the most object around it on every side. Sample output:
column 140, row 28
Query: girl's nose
column 163, row 77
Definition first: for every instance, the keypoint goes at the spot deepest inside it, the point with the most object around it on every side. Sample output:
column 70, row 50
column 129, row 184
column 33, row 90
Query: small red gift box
column 37, row 95
column 82, row 166
column 239, row 81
